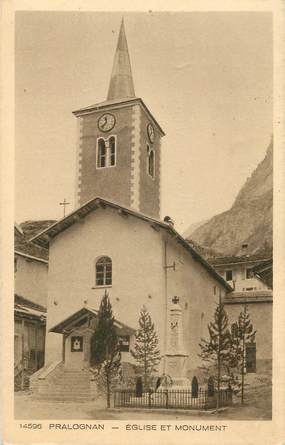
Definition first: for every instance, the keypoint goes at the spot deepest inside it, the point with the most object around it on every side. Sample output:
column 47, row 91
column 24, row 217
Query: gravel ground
column 27, row 408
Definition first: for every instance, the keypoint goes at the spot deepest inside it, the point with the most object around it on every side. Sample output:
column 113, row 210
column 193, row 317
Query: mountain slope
column 248, row 221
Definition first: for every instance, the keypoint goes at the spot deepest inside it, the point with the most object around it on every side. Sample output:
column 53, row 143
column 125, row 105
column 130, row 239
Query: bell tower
column 118, row 150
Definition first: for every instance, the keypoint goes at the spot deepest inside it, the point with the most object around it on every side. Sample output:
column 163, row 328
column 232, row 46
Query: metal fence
column 177, row 399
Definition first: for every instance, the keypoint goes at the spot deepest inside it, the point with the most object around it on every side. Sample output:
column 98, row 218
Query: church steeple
column 121, row 83
column 118, row 154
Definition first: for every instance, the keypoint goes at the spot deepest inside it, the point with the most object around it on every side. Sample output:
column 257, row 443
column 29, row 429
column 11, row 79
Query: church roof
column 121, row 83
column 80, row 315
column 43, row 238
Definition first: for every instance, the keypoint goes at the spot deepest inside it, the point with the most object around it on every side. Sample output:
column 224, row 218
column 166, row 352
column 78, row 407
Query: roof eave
column 97, row 107
column 44, row 237
column 248, row 300
column 22, row 314
column 60, row 327
column 237, row 263
column 207, row 265
column 30, row 257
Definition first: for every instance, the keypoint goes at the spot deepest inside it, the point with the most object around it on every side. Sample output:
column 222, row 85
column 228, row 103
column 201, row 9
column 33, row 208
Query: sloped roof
column 28, row 229
column 43, row 238
column 264, row 271
column 18, row 229
column 25, row 308
column 121, row 83
column 70, row 321
column 113, row 103
column 256, row 296
column 33, row 227
column 229, row 260
column 30, row 257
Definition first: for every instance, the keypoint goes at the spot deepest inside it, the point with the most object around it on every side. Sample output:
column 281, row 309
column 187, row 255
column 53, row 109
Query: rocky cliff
column 249, row 221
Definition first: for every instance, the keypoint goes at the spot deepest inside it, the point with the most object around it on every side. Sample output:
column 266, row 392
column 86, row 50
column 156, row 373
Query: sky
column 205, row 76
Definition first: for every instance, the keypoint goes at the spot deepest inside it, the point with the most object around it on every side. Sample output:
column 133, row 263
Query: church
column 116, row 241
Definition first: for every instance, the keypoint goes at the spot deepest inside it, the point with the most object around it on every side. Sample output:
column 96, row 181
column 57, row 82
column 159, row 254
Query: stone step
column 62, row 380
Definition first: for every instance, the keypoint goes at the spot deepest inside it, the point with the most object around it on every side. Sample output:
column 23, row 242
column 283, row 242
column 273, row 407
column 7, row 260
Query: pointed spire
column 121, row 83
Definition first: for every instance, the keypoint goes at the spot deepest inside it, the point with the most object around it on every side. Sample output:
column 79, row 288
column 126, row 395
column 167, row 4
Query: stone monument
column 175, row 355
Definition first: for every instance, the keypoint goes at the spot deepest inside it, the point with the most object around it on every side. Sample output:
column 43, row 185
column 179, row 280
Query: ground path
column 28, row 408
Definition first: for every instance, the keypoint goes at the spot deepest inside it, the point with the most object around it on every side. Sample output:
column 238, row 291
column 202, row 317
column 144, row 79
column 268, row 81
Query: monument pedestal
column 175, row 357
column 176, row 369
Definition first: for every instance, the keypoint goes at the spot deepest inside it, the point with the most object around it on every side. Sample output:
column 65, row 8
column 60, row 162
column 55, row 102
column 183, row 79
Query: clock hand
column 105, row 122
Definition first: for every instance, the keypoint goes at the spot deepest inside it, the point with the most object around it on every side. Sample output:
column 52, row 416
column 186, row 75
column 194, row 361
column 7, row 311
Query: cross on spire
column 121, row 83
column 175, row 300
column 64, row 204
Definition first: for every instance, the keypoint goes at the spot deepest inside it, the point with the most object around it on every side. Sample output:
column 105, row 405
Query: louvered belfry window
column 106, row 152
column 101, row 159
column 104, row 271
column 112, row 151
column 150, row 161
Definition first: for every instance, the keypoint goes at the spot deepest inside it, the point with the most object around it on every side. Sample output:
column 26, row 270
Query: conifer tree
column 105, row 349
column 146, row 352
column 245, row 334
column 216, row 350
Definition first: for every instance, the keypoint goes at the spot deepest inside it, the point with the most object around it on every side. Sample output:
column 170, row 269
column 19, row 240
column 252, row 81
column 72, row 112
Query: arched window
column 101, row 154
column 104, row 271
column 106, row 152
column 150, row 161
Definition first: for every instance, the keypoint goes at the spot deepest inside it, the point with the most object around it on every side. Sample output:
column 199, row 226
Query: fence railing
column 168, row 398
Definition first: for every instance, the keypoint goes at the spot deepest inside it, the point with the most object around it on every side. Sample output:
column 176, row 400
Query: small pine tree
column 216, row 350
column 105, row 350
column 246, row 334
column 146, row 352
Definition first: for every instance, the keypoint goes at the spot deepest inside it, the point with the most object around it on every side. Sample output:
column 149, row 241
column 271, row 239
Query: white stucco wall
column 138, row 255
column 31, row 280
column 198, row 294
column 261, row 318
column 240, row 282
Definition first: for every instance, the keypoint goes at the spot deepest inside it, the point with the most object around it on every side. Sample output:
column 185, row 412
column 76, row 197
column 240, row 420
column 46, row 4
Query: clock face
column 106, row 122
column 150, row 132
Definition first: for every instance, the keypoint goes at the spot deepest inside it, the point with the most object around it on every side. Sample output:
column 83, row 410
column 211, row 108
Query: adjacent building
column 251, row 278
